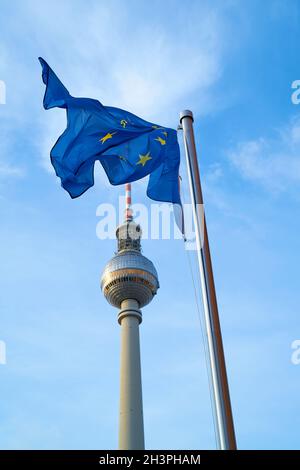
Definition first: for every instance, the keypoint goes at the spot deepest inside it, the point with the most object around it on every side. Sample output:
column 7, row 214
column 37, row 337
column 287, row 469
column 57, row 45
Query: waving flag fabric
column 127, row 146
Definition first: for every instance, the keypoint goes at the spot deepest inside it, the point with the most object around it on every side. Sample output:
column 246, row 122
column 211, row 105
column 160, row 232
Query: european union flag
column 128, row 147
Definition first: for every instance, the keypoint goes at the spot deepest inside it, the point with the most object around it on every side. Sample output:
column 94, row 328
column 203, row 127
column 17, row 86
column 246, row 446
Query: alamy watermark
column 159, row 221
column 2, row 352
column 2, row 92
column 295, row 357
column 295, row 96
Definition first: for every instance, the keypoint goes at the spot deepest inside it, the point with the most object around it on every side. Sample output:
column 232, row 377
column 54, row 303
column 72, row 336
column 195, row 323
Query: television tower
column 129, row 282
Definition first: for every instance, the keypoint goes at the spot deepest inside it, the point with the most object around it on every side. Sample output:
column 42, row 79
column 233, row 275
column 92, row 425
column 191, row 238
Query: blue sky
column 232, row 63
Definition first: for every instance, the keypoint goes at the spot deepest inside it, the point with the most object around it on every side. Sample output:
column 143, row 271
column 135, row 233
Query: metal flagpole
column 224, row 419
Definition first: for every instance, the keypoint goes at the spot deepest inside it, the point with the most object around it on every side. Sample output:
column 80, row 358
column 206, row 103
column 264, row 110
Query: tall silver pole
column 222, row 405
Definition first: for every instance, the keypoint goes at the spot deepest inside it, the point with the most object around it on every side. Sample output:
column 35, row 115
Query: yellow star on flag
column 144, row 158
column 161, row 140
column 109, row 135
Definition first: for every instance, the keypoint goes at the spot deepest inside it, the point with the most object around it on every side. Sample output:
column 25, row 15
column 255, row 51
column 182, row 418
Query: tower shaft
column 131, row 424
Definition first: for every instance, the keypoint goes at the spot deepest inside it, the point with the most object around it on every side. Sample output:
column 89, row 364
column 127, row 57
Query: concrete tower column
column 129, row 282
column 131, row 424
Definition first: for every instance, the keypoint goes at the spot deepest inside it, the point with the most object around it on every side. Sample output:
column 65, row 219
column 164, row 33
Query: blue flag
column 128, row 147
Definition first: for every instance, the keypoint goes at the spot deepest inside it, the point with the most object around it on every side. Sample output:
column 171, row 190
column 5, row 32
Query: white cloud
column 273, row 163
column 151, row 67
column 8, row 170
column 51, row 130
column 144, row 66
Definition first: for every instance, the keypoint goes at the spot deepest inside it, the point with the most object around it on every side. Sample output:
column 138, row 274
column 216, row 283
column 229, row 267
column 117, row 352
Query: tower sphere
column 129, row 274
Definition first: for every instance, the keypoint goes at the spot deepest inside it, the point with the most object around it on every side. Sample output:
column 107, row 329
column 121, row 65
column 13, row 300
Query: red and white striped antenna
column 128, row 210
